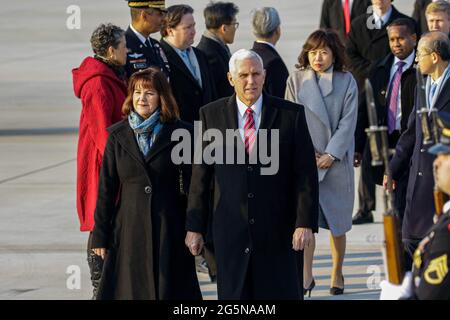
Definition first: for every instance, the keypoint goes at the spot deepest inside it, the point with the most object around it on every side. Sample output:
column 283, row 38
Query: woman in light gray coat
column 330, row 96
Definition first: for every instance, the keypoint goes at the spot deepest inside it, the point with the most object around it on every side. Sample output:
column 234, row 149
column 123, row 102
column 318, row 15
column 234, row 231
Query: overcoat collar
column 311, row 95
column 128, row 142
column 444, row 96
column 176, row 61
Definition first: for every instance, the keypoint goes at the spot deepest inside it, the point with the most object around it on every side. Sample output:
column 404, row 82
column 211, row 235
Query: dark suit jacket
column 218, row 59
column 332, row 16
column 379, row 79
column 419, row 15
column 140, row 57
column 254, row 215
column 189, row 95
column 413, row 154
column 365, row 46
column 276, row 71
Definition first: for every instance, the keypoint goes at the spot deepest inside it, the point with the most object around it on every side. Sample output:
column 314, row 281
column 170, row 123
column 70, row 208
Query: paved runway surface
column 42, row 253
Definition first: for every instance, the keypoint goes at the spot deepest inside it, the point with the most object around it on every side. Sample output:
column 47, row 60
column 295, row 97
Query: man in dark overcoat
column 393, row 81
column 337, row 16
column 368, row 39
column 368, row 42
column 261, row 219
column 190, row 76
column 266, row 25
column 221, row 26
column 433, row 55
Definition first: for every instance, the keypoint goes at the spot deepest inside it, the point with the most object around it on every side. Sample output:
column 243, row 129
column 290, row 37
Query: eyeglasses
column 235, row 25
column 420, row 55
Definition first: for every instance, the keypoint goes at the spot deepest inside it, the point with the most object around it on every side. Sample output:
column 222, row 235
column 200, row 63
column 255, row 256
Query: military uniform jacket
column 254, row 215
column 431, row 280
column 140, row 57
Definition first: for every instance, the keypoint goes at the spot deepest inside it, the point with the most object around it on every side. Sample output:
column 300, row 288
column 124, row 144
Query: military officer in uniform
column 145, row 52
column 430, row 279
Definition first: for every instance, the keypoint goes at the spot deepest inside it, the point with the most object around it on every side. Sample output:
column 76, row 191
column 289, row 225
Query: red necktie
column 249, row 130
column 347, row 16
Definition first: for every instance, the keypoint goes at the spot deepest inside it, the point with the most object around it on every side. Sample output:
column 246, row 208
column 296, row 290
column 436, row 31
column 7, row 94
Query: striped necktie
column 249, row 130
column 393, row 101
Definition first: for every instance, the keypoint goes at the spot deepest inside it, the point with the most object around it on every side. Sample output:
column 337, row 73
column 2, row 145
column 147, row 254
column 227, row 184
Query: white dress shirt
column 256, row 107
column 140, row 36
column 384, row 18
column 408, row 63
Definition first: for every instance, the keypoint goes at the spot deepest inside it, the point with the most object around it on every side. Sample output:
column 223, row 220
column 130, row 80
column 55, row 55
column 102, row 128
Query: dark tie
column 394, row 91
column 148, row 44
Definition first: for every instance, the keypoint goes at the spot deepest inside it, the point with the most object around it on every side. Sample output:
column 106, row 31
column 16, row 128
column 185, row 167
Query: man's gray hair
column 241, row 55
column 436, row 41
column 265, row 22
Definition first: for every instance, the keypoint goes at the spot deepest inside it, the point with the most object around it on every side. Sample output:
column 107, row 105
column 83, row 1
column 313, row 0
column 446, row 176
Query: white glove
column 391, row 291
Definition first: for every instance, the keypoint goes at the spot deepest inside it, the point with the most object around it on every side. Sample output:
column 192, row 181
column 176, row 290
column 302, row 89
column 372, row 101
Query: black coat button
column 251, row 221
column 247, row 250
column 251, row 195
column 148, row 189
column 249, row 168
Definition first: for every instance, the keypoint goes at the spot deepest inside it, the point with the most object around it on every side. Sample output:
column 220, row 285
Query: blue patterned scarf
column 145, row 130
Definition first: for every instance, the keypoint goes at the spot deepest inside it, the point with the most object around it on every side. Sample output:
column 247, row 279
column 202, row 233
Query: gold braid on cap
column 150, row 4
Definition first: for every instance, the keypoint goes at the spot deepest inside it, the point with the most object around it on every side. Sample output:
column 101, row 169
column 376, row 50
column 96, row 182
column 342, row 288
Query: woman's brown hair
column 320, row 39
column 154, row 79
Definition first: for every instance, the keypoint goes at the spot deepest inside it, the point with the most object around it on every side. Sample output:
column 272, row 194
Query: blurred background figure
column 338, row 15
column 141, row 237
column 438, row 16
column 330, row 97
column 190, row 75
column 221, row 26
column 146, row 18
column 367, row 43
column 393, row 80
column 419, row 14
column 100, row 84
column 266, row 25
column 433, row 55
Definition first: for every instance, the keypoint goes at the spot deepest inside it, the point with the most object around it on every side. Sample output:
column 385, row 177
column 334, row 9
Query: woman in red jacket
column 100, row 84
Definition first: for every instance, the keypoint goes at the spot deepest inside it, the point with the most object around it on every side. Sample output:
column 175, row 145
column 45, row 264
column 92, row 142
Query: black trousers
column 95, row 263
column 366, row 185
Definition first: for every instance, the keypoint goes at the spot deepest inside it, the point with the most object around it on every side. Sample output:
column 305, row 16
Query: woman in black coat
column 141, row 207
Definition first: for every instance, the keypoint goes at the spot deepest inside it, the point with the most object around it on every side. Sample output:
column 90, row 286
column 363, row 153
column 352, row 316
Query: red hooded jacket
column 102, row 94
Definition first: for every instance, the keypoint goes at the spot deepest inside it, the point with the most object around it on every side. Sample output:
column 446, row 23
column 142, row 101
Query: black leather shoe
column 335, row 291
column 362, row 217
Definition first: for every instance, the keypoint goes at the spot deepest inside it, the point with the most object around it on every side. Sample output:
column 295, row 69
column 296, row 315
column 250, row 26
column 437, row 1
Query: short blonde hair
column 438, row 6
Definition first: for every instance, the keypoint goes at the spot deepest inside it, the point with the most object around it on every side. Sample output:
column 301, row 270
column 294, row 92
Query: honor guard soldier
column 145, row 52
column 430, row 279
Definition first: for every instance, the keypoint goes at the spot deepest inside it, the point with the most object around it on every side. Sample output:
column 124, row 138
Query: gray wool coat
column 331, row 113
